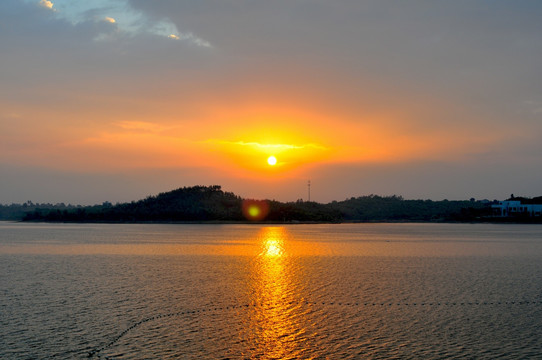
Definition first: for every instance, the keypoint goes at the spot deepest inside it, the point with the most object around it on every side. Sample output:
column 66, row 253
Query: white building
column 516, row 208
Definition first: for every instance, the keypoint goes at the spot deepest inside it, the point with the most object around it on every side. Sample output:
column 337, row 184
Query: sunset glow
column 384, row 102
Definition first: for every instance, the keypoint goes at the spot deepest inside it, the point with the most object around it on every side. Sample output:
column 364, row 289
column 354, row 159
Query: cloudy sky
column 120, row 99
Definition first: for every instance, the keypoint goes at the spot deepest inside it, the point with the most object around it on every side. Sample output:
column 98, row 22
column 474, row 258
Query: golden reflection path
column 277, row 324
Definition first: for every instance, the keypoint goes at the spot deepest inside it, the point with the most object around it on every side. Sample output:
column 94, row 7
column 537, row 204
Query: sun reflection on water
column 274, row 329
column 273, row 242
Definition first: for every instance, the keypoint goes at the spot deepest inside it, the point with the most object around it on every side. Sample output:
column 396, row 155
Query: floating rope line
column 97, row 351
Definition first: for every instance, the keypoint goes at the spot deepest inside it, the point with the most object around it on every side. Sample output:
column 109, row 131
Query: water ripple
column 341, row 336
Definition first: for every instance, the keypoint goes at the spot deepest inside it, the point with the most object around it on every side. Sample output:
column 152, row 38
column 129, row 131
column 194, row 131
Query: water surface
column 270, row 292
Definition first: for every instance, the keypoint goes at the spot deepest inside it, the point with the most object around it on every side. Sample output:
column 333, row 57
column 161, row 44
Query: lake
column 326, row 291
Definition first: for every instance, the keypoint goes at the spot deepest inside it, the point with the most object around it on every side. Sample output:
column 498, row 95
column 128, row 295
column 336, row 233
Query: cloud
column 191, row 38
column 168, row 29
column 129, row 21
column 194, row 40
column 269, row 146
column 46, row 4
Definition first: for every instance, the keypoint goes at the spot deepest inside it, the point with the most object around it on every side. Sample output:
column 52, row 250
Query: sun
column 272, row 160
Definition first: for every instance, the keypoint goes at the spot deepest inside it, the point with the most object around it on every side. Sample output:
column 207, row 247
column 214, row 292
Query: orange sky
column 205, row 95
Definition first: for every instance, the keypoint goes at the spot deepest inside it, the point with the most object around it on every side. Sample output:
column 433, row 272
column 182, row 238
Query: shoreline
column 294, row 222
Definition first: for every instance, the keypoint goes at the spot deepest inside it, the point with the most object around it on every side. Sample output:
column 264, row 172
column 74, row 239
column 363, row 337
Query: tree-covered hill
column 198, row 203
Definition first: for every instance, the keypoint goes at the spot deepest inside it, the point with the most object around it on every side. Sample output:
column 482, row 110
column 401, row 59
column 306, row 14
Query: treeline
column 395, row 208
column 19, row 211
column 211, row 203
column 524, row 200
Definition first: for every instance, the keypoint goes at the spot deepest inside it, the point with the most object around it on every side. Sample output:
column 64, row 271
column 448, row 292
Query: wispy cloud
column 195, row 40
column 168, row 29
column 191, row 38
column 268, row 146
column 142, row 126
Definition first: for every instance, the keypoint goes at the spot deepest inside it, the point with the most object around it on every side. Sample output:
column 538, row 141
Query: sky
column 121, row 99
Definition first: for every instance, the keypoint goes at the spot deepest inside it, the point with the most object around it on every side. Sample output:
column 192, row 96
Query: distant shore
column 212, row 205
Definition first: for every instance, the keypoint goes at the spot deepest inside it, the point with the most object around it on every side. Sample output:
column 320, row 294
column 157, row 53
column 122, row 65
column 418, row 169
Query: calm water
column 270, row 292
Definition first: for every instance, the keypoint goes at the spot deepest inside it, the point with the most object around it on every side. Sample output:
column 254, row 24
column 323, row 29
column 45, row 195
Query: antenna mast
column 309, row 188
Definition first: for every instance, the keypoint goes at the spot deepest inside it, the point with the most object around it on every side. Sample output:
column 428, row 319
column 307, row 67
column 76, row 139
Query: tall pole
column 309, row 188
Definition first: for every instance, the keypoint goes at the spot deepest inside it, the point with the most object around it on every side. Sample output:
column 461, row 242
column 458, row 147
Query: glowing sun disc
column 272, row 160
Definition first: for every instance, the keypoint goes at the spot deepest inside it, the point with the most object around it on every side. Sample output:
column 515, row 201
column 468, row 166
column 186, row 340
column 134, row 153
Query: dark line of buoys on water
column 96, row 351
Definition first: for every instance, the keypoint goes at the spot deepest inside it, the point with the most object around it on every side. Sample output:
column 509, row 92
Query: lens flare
column 255, row 210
